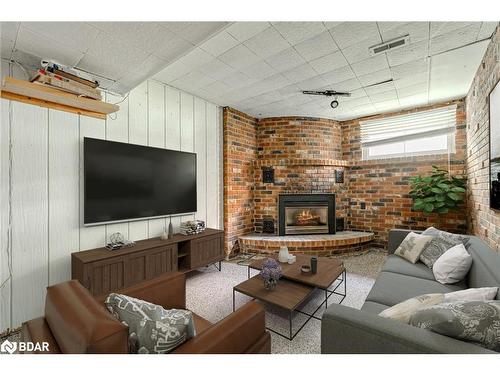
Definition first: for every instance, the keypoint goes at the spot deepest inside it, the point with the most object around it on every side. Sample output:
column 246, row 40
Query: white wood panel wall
column 42, row 183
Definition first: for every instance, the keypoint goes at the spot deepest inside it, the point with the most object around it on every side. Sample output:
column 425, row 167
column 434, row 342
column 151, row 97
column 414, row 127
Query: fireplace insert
column 306, row 214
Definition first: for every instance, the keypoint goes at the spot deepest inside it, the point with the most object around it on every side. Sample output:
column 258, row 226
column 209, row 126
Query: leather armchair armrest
column 168, row 290
column 243, row 331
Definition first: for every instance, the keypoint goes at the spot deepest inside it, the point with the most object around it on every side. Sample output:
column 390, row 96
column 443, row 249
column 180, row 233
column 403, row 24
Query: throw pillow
column 472, row 294
column 475, row 321
column 152, row 329
column 412, row 246
column 453, row 265
column 437, row 247
column 431, row 231
column 403, row 310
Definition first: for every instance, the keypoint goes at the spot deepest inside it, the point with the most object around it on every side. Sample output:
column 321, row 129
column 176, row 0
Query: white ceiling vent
column 390, row 45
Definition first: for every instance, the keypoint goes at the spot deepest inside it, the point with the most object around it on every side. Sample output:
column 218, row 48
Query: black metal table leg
column 233, row 301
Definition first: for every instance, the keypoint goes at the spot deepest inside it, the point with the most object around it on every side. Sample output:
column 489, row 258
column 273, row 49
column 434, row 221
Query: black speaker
column 268, row 175
column 268, row 225
column 339, row 224
column 339, row 176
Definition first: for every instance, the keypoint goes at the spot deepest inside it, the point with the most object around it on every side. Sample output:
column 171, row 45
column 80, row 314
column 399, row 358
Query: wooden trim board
column 36, row 94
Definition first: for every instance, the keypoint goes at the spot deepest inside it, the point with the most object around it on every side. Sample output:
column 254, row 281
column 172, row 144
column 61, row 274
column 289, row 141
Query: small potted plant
column 271, row 272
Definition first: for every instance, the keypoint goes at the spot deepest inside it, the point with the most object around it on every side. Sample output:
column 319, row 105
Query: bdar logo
column 8, row 347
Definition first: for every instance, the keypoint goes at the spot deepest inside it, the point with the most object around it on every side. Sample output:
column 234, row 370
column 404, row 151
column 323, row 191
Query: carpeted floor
column 209, row 294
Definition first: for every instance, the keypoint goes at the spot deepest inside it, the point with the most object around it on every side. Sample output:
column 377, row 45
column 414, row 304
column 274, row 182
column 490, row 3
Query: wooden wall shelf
column 44, row 96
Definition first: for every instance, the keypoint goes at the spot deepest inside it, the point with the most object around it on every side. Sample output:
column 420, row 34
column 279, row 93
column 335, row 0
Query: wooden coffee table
column 294, row 287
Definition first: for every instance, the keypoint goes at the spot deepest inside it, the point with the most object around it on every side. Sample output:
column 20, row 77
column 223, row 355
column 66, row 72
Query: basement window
column 420, row 133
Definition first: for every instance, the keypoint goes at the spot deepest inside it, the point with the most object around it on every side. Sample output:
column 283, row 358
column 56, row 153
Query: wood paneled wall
column 41, row 174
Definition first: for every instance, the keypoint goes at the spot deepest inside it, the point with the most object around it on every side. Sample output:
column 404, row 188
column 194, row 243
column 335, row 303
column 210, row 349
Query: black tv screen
column 126, row 182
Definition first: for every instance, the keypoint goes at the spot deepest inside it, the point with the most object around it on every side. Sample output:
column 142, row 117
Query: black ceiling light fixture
column 335, row 94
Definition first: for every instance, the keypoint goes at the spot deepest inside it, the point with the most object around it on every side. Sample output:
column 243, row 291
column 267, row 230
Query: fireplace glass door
column 306, row 219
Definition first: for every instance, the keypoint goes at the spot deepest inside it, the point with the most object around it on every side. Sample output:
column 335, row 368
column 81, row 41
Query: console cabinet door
column 105, row 276
column 206, row 250
column 161, row 260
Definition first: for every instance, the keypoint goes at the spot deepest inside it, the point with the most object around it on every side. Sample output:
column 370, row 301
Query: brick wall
column 383, row 185
column 483, row 221
column 240, row 151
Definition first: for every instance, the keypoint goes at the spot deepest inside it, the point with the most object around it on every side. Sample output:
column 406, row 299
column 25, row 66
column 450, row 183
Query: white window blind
column 424, row 124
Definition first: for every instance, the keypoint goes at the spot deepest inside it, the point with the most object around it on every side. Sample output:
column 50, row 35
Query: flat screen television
column 130, row 182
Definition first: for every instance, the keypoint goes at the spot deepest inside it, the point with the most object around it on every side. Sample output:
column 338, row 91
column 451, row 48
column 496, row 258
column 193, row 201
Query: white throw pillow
column 472, row 294
column 453, row 265
column 412, row 246
column 403, row 310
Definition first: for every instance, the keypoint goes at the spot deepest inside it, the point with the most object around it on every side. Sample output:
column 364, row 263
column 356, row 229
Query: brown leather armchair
column 76, row 322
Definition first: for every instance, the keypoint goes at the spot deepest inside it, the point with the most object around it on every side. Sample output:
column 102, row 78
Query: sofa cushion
column 374, row 307
column 397, row 264
column 437, row 247
column 403, row 310
column 412, row 246
column 391, row 288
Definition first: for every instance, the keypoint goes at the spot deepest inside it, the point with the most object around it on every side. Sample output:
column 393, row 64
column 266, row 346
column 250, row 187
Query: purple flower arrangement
column 271, row 272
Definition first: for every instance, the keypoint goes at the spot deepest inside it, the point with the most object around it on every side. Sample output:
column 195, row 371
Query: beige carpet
column 209, row 294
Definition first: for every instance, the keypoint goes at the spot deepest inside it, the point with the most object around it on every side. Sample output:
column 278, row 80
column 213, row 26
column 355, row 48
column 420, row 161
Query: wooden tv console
column 103, row 271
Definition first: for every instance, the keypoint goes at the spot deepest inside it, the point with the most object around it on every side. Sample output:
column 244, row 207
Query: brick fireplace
column 304, row 155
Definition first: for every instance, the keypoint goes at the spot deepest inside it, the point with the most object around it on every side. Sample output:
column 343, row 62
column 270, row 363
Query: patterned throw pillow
column 412, row 246
column 152, row 329
column 403, row 310
column 442, row 242
column 474, row 321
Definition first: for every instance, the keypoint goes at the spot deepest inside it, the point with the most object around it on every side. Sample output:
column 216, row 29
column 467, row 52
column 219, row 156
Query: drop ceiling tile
column 329, row 62
column 296, row 32
column 285, row 60
column 8, row 30
column 349, row 33
column 243, row 31
column 348, row 85
column 361, row 50
column 300, row 73
column 318, row 46
column 259, row 70
column 216, row 69
column 217, row 88
column 238, row 80
column 289, row 90
column 383, row 96
column 239, row 57
column 134, row 77
column 439, row 28
column 411, row 80
column 357, row 101
column 413, row 100
column 381, row 88
column 219, row 44
column 412, row 51
column 96, row 65
column 173, row 48
column 197, row 32
column 173, row 71
column 38, row 45
column 416, row 30
column 410, row 68
column 267, row 43
column 373, row 64
column 313, row 83
column 376, row 77
column 420, row 88
column 356, row 94
column 454, row 39
column 487, row 29
column 176, row 27
column 389, row 105
column 147, row 36
column 338, row 75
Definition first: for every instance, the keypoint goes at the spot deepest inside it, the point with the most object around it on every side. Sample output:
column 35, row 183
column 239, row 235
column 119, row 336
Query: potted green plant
column 437, row 193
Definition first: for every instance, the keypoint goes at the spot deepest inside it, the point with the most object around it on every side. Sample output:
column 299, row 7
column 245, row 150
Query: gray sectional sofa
column 346, row 330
